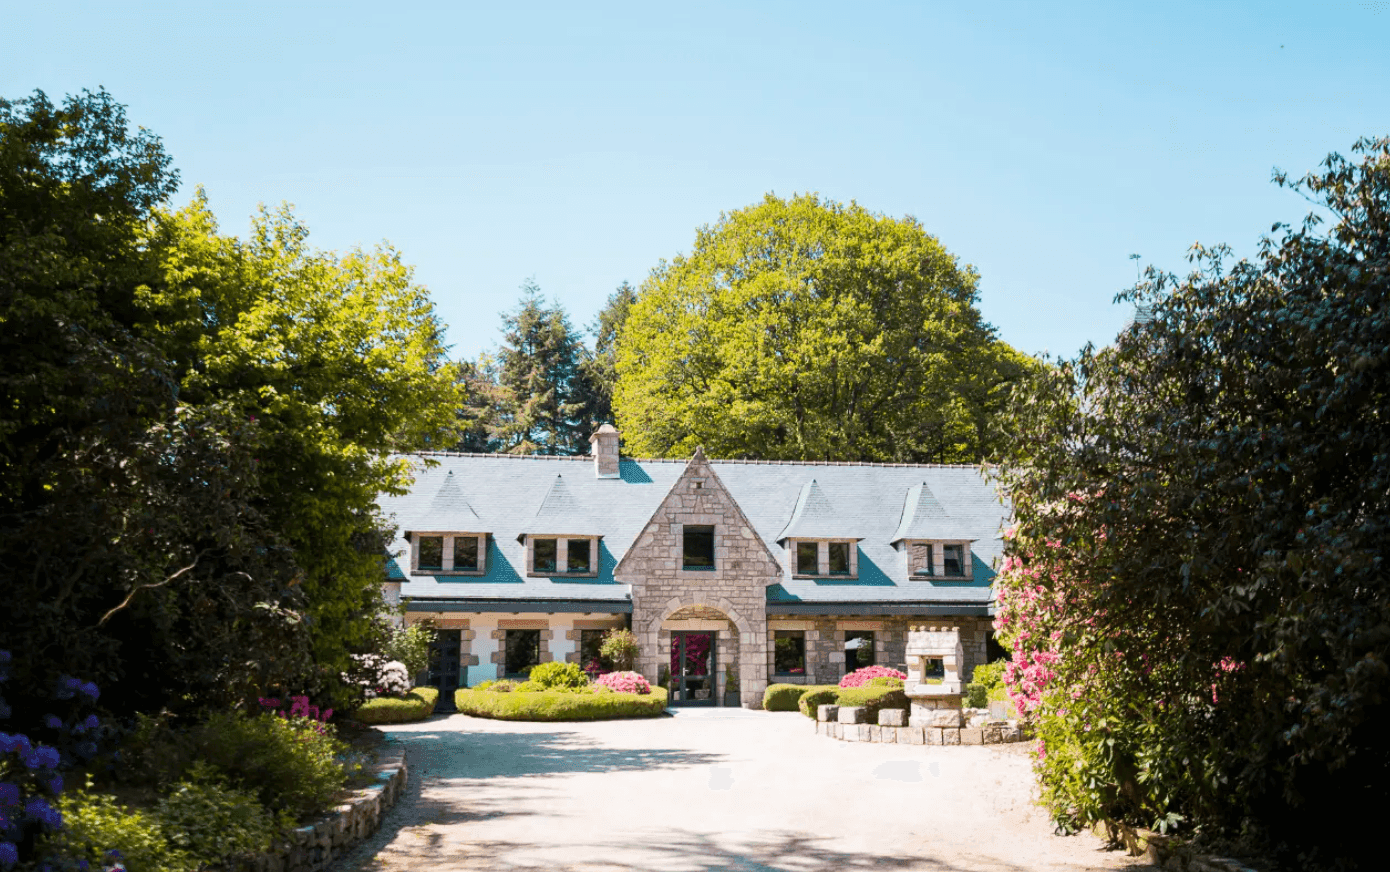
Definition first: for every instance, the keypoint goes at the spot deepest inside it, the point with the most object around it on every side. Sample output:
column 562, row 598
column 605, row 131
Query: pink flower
column 625, row 682
column 859, row 677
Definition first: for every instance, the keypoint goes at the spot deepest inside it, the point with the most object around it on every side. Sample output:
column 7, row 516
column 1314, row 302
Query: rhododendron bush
column 625, row 682
column 860, row 677
column 1195, row 591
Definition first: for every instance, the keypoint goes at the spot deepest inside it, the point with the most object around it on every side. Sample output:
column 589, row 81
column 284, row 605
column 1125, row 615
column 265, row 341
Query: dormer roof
column 925, row 518
column 449, row 511
column 813, row 517
column 561, row 513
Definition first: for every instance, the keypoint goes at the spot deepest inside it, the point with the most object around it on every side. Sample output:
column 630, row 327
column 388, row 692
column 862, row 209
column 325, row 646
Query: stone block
column 933, row 735
column 892, row 717
column 851, row 714
column 950, row 737
column 972, row 736
column 993, row 735
column 915, row 735
column 827, row 712
column 875, row 732
column 890, row 735
column 850, row 732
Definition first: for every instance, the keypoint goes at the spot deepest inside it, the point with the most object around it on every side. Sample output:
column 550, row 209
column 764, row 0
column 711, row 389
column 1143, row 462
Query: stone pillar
column 934, row 705
column 604, row 448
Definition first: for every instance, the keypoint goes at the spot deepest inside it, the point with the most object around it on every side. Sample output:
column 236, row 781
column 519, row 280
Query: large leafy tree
column 549, row 402
column 601, row 368
column 340, row 361
column 133, row 549
column 807, row 329
column 1197, row 591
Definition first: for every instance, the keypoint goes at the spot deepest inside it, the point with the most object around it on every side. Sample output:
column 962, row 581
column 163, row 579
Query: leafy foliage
column 416, row 705
column 601, row 368
column 290, row 764
column 802, row 329
column 559, row 705
column 410, row 646
column 555, row 675
column 817, row 696
column 209, row 820
column 1196, row 592
column 619, row 649
column 96, row 824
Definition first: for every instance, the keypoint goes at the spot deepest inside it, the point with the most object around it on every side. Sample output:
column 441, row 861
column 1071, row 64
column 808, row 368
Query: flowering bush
column 378, row 676
column 859, row 677
column 625, row 682
column 290, row 759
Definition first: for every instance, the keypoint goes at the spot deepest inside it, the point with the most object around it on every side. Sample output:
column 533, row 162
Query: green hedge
column 874, row 699
column 559, row 705
column 414, row 706
column 815, row 697
column 783, row 697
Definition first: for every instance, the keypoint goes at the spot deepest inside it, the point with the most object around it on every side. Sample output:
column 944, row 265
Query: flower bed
column 414, row 706
column 560, row 705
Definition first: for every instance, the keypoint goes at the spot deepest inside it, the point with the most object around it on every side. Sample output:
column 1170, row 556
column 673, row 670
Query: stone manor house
column 725, row 570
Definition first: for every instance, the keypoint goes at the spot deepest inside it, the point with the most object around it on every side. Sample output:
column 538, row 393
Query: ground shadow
column 455, row 753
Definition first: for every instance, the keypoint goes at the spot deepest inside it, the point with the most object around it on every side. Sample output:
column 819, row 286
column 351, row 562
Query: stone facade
column 736, row 587
column 825, row 642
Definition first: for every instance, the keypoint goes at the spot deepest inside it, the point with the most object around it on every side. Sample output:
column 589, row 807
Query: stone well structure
column 935, row 650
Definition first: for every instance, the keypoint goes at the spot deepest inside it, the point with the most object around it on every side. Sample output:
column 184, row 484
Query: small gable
column 924, row 518
column 813, row 517
column 562, row 513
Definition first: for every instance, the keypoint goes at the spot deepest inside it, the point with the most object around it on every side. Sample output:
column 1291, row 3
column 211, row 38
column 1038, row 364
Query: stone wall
column 825, row 642
column 736, row 587
column 847, row 724
column 315, row 847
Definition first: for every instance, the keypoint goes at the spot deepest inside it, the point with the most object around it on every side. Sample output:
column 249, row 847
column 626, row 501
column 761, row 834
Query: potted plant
column 731, row 699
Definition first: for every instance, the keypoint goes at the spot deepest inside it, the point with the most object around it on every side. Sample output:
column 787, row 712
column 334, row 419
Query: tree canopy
column 1196, row 592
column 807, row 329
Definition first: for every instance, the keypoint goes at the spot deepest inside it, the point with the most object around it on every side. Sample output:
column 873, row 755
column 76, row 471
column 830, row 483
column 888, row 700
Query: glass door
column 444, row 667
column 692, row 668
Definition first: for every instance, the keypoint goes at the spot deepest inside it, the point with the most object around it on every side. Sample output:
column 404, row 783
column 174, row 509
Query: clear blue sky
column 582, row 143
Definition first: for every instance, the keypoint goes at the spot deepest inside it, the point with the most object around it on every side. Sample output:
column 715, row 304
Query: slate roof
column 925, row 518
column 514, row 495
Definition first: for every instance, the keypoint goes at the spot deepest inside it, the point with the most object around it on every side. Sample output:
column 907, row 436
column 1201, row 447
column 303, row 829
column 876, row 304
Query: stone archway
column 740, row 644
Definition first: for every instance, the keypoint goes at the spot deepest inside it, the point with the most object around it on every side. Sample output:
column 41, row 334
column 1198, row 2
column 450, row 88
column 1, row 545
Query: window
column 543, row 555
column 523, row 651
column 590, row 660
column 698, row 550
column 431, row 553
column 954, row 558
column 839, row 558
column 466, row 553
column 789, row 652
column 859, row 649
column 923, row 560
column 807, row 558
column 577, row 556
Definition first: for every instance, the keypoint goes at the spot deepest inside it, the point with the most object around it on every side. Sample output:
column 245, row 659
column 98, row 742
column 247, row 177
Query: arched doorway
column 699, row 656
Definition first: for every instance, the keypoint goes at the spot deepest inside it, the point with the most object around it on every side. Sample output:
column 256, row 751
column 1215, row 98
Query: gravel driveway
column 706, row 790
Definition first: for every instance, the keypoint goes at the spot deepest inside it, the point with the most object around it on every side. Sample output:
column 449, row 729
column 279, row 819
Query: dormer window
column 821, row 558
column 556, row 555
column 448, row 553
column 945, row 561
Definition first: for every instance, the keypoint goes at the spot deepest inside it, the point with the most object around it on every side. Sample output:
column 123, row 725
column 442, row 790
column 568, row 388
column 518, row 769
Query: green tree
column 601, row 368
column 549, row 401
column 806, row 329
column 340, row 361
column 134, row 549
column 1196, row 592
column 485, row 406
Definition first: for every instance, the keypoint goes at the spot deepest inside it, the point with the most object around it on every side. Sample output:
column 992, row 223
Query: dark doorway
column 693, row 668
column 444, row 668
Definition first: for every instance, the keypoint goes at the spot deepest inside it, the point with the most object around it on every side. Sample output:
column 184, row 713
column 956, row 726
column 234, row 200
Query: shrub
column 483, row 685
column 558, row 705
column 874, row 699
column 619, row 647
column 783, row 697
column 411, row 647
column 817, row 696
column 287, row 762
column 414, row 706
column 859, row 676
column 998, row 693
column 210, row 820
column 976, row 696
column 555, row 675
column 990, row 675
column 529, row 687
column 625, row 682
column 95, row 824
column 884, row 681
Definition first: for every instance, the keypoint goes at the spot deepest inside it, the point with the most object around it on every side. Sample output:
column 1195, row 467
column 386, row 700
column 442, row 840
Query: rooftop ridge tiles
column 739, row 460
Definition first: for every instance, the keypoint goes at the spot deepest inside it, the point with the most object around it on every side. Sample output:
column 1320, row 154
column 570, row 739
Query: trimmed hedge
column 874, row 699
column 414, row 706
column 784, row 697
column 815, row 697
column 559, row 705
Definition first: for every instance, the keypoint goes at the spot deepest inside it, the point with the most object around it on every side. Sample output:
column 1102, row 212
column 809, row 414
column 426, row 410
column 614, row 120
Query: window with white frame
column 555, row 555
column 948, row 561
column 822, row 558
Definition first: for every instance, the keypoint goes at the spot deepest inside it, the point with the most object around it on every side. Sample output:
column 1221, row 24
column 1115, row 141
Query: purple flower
column 9, row 794
column 9, row 854
column 42, row 757
column 55, row 784
column 89, row 689
column 91, row 723
column 38, row 809
column 12, row 743
column 53, row 722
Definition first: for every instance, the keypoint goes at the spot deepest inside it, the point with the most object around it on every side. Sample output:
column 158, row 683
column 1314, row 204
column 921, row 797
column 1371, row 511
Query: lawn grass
column 414, row 706
column 556, row 705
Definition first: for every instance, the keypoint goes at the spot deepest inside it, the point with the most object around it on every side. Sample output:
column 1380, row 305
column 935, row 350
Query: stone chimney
column 605, row 451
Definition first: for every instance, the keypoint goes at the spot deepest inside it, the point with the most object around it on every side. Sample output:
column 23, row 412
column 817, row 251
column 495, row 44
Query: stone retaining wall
column 314, row 847
column 846, row 723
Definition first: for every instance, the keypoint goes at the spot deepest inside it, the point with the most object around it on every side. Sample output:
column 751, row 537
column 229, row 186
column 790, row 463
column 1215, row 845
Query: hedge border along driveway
column 559, row 705
column 704, row 790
